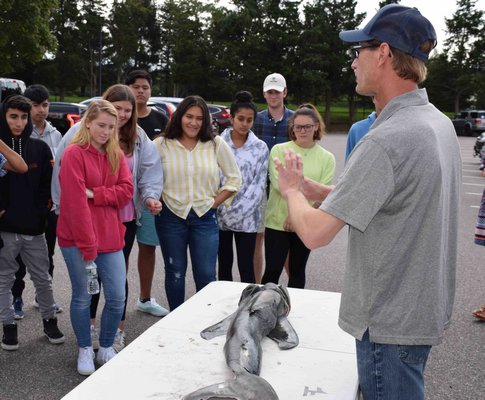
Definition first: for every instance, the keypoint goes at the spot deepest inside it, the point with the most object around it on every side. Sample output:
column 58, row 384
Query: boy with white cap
column 271, row 126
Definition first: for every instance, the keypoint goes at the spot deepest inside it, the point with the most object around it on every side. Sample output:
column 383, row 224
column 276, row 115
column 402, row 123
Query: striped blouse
column 191, row 177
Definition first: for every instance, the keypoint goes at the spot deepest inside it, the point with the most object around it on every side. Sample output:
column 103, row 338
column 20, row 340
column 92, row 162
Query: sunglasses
column 354, row 51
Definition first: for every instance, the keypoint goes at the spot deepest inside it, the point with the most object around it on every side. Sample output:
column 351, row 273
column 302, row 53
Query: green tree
column 186, row 54
column 228, row 31
column 26, row 35
column 441, row 81
column 62, row 73
column 90, row 46
column 463, row 46
column 324, row 60
column 135, row 36
column 252, row 39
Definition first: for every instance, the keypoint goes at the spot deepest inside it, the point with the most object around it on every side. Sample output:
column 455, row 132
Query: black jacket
column 26, row 198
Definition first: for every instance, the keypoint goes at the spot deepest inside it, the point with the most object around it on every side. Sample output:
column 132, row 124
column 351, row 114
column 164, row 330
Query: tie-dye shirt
column 3, row 160
column 244, row 213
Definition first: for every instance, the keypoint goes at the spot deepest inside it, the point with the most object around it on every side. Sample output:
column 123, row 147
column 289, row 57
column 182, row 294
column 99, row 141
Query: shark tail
column 244, row 386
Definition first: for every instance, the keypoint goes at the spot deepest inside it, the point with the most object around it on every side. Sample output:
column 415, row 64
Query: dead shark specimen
column 262, row 311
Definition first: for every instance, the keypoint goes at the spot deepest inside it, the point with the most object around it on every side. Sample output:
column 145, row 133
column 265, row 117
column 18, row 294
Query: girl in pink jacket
column 95, row 184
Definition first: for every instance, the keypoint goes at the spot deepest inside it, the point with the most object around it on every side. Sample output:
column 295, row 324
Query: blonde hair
column 83, row 136
column 409, row 67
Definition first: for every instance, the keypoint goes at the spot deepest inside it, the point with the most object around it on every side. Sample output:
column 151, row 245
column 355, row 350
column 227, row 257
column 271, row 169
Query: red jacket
column 92, row 225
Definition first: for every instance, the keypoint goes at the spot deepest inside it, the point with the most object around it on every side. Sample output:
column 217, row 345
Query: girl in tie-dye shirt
column 242, row 217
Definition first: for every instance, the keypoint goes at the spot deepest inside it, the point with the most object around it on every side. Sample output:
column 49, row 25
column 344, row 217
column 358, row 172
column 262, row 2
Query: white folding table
column 170, row 359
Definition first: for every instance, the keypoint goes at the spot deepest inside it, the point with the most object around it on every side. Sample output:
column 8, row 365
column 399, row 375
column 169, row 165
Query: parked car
column 64, row 115
column 164, row 106
column 469, row 122
column 88, row 101
column 220, row 117
column 9, row 86
column 173, row 100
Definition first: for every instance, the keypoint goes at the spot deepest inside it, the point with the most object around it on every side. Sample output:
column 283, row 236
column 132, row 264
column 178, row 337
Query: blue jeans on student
column 389, row 371
column 112, row 273
column 201, row 235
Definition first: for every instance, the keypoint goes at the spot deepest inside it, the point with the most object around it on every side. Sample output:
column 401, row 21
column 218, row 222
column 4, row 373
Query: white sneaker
column 119, row 342
column 85, row 361
column 151, row 307
column 105, row 354
column 94, row 338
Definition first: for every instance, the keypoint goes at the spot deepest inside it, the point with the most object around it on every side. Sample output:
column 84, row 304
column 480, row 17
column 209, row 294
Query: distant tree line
column 190, row 46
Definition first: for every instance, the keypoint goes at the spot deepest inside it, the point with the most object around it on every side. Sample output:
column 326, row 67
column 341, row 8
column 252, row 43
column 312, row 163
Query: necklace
column 20, row 146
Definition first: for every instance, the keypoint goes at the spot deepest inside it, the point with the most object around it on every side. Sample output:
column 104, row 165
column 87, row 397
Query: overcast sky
column 435, row 10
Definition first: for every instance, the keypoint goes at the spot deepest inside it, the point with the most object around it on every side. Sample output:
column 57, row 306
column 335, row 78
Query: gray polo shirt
column 400, row 194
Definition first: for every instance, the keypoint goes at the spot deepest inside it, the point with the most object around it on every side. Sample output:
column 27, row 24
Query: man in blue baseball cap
column 399, row 194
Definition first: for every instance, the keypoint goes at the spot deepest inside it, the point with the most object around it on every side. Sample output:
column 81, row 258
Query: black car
column 64, row 115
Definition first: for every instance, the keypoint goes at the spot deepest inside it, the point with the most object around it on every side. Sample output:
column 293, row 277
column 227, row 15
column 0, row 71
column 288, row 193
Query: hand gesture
column 290, row 176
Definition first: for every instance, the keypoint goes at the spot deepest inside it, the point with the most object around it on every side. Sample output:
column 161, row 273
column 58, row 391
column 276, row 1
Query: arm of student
column 221, row 197
column 14, row 161
column 150, row 172
column 117, row 195
column 315, row 191
column 153, row 205
column 228, row 165
column 44, row 190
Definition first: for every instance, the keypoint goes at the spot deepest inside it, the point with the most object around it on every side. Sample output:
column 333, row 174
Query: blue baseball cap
column 403, row 28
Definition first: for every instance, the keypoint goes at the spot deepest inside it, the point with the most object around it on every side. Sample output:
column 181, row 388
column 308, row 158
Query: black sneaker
column 52, row 332
column 9, row 340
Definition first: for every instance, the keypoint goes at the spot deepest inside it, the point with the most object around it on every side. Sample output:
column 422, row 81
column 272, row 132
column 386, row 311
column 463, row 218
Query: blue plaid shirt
column 3, row 160
column 270, row 131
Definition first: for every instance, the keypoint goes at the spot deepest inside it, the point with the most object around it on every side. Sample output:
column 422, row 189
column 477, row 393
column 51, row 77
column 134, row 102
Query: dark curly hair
column 174, row 127
column 243, row 99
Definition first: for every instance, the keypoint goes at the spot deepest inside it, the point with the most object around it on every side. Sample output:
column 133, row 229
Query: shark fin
column 284, row 334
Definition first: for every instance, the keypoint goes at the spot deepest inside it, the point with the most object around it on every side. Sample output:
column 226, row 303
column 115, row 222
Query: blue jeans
column 112, row 273
column 201, row 235
column 389, row 371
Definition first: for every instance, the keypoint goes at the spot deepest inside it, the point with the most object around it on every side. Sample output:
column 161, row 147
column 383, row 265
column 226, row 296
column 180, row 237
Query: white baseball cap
column 274, row 82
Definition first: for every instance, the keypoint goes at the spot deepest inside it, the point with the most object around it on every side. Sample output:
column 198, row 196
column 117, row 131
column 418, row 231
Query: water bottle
column 93, row 284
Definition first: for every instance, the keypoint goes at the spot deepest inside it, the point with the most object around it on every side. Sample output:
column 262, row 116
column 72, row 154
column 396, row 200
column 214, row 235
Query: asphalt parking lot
column 455, row 371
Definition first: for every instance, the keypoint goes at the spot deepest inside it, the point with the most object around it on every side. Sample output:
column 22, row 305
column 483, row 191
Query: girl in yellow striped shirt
column 193, row 160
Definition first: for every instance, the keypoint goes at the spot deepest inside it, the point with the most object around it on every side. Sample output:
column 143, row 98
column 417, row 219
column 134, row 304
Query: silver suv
column 469, row 122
